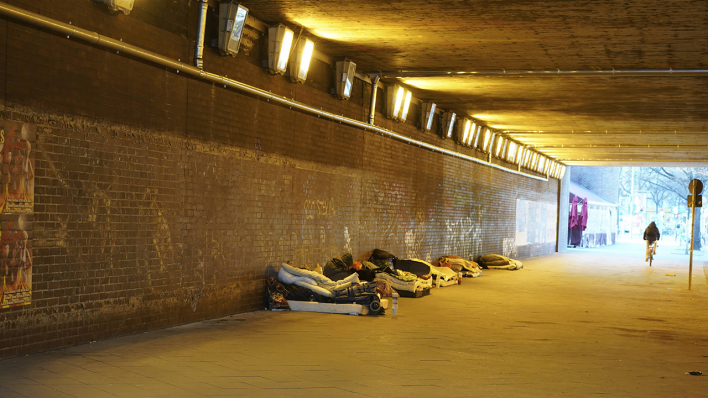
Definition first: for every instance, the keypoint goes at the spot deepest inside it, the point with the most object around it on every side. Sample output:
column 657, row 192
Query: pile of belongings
column 446, row 276
column 468, row 268
column 415, row 274
column 304, row 285
column 402, row 275
column 496, row 261
column 342, row 267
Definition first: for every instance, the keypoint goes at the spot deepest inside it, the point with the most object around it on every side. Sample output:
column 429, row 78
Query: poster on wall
column 16, row 207
column 15, row 261
column 17, row 178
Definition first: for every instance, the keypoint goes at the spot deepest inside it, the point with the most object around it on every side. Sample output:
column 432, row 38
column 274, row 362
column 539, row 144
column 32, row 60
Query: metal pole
column 199, row 40
column 693, row 225
column 549, row 73
column 372, row 108
column 631, row 206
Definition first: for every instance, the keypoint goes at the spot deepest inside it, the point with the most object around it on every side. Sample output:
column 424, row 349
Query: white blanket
column 318, row 283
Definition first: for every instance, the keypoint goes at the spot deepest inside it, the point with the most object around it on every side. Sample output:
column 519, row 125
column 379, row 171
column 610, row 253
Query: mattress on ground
column 331, row 308
column 398, row 284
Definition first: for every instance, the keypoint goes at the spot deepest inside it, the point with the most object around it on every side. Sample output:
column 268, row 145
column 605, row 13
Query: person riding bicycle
column 651, row 235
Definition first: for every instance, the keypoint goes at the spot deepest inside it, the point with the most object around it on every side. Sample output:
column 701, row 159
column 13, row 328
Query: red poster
column 16, row 207
column 17, row 159
column 15, row 261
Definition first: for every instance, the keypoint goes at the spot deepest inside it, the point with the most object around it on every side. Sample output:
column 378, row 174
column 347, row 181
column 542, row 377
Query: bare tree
column 657, row 193
column 674, row 181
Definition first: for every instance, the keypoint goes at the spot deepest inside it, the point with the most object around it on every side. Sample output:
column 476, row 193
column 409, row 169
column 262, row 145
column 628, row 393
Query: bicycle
column 652, row 245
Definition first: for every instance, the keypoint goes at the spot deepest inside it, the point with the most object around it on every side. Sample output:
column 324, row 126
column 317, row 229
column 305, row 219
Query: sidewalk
column 591, row 321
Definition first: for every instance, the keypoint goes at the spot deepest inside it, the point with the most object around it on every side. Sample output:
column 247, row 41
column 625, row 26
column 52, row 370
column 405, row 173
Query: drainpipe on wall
column 374, row 89
column 199, row 41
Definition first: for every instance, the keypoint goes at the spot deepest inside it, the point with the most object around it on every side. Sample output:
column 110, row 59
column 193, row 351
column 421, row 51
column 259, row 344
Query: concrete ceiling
column 588, row 120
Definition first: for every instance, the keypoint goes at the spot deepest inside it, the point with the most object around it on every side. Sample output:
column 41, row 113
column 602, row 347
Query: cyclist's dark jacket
column 651, row 233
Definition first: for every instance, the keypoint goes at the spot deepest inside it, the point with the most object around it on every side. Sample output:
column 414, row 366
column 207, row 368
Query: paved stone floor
column 587, row 322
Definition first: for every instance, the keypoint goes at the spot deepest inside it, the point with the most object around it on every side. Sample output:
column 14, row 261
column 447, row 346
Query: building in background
column 597, row 226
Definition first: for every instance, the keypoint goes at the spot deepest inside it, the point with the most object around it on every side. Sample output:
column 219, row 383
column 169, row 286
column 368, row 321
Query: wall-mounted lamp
column 398, row 100
column 541, row 168
column 527, row 158
column 520, row 155
column 499, row 147
column 553, row 168
column 471, row 135
column 464, row 129
column 280, row 40
column 344, row 78
column 534, row 161
column 448, row 124
column 562, row 173
column 232, row 19
column 511, row 151
column 484, row 142
column 474, row 142
column 124, row 6
column 427, row 115
column 300, row 61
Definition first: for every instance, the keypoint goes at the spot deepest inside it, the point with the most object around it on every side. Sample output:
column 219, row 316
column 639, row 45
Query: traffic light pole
column 695, row 187
column 690, row 261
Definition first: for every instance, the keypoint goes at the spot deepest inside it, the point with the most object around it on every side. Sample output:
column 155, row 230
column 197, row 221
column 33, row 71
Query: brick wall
column 604, row 181
column 162, row 200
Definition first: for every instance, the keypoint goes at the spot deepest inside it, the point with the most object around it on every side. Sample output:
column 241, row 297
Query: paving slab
column 586, row 322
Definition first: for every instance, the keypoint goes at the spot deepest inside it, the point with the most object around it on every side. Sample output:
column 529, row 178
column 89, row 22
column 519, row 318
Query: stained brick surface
column 162, row 200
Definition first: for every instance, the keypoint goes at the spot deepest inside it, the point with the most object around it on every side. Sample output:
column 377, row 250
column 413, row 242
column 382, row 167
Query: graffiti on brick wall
column 509, row 249
column 16, row 261
column 535, row 222
column 317, row 235
column 348, row 239
column 312, row 208
column 458, row 237
column 423, row 233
